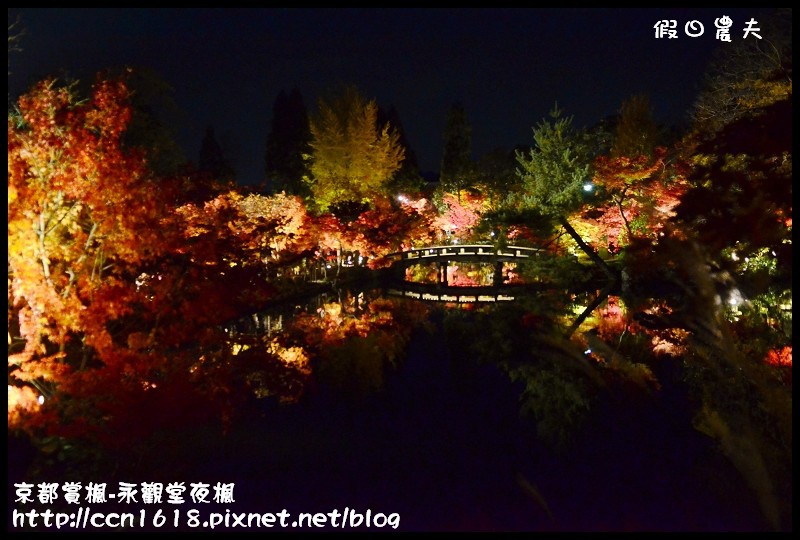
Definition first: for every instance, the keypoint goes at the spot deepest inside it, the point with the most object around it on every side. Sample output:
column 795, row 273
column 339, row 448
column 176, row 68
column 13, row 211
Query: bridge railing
column 466, row 250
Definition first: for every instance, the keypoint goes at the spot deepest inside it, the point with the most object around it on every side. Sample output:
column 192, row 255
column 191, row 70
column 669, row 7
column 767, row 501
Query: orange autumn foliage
column 780, row 357
column 82, row 213
column 644, row 192
column 117, row 298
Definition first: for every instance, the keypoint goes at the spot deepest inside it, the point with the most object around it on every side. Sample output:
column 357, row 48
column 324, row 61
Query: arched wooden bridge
column 442, row 291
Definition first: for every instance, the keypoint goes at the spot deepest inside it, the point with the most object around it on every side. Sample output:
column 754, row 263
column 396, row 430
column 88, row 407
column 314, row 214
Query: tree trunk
column 587, row 249
column 624, row 219
column 601, row 296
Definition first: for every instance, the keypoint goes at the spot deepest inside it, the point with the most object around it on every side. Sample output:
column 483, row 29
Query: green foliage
column 555, row 380
column 423, row 273
column 554, row 171
column 762, row 307
column 556, row 398
column 639, row 225
column 506, row 218
column 556, row 270
column 771, row 315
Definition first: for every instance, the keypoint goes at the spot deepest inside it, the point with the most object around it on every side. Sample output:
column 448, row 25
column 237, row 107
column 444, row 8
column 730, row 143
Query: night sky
column 507, row 66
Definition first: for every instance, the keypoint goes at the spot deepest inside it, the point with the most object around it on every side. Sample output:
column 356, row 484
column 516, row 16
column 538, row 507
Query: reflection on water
column 462, row 416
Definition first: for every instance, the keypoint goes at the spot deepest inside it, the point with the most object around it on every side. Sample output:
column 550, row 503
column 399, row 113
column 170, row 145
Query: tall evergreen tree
column 496, row 174
column 556, row 168
column 601, row 135
column 408, row 177
column 457, row 168
column 154, row 113
column 554, row 173
column 212, row 158
column 287, row 143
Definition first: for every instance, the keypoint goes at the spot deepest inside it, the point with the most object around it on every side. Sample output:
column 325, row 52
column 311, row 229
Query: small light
column 587, row 351
column 41, row 399
column 588, row 186
column 492, row 233
column 327, row 266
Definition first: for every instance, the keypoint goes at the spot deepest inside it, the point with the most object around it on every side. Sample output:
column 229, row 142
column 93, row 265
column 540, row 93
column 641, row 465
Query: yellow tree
column 637, row 132
column 352, row 158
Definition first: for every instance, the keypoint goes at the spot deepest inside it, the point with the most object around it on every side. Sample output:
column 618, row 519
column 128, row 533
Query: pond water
column 444, row 445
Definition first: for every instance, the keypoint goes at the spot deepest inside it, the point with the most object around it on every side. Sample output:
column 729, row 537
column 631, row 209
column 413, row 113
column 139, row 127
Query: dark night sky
column 507, row 66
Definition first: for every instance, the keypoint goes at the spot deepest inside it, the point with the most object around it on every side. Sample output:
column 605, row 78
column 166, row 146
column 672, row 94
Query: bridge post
column 497, row 278
column 443, row 273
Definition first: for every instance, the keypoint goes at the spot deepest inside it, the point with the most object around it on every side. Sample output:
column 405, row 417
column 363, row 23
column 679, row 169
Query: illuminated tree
column 82, row 215
column 554, row 174
column 388, row 228
column 637, row 133
column 118, row 300
column 555, row 170
column 723, row 268
column 280, row 223
column 352, row 157
column 458, row 218
column 641, row 179
column 743, row 184
column 626, row 179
